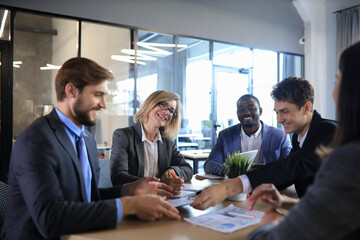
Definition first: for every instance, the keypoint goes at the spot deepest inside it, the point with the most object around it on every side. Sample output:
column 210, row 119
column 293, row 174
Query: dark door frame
column 6, row 81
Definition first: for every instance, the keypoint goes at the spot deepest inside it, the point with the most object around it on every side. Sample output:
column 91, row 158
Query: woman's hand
column 270, row 195
column 272, row 216
column 175, row 183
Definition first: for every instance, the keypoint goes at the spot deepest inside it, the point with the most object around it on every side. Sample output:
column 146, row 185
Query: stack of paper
column 228, row 219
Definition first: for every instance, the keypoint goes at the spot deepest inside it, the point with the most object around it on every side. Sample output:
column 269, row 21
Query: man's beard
column 249, row 125
column 82, row 116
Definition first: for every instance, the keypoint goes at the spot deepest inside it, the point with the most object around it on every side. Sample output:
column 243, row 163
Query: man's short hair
column 246, row 96
column 294, row 90
column 80, row 72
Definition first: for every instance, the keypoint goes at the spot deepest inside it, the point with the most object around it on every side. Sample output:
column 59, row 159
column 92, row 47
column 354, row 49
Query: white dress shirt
column 151, row 168
column 252, row 142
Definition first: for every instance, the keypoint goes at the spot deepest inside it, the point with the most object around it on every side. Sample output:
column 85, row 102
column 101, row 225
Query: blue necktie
column 85, row 166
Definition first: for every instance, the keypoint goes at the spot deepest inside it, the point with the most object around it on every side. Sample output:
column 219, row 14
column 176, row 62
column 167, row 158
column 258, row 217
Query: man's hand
column 147, row 185
column 270, row 195
column 148, row 207
column 272, row 216
column 216, row 193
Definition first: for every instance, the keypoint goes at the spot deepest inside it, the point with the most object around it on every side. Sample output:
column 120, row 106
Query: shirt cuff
column 246, row 183
column 119, row 210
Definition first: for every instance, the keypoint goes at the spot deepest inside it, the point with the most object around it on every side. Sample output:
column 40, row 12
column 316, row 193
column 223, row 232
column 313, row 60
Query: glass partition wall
column 104, row 44
column 41, row 45
column 209, row 76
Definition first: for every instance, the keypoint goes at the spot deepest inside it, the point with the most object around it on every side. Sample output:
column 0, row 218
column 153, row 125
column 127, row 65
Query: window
column 194, row 74
column 155, row 54
column 105, row 45
column 209, row 76
column 264, row 78
column 41, row 45
column 5, row 25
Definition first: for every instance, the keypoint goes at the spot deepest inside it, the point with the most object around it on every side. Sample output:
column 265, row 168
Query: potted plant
column 236, row 164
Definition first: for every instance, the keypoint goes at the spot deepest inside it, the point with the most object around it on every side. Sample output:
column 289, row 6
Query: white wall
column 274, row 24
column 331, row 62
column 320, row 48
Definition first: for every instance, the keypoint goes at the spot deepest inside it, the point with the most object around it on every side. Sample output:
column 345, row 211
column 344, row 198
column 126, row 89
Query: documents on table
column 178, row 202
column 187, row 195
column 193, row 188
column 183, row 194
column 228, row 219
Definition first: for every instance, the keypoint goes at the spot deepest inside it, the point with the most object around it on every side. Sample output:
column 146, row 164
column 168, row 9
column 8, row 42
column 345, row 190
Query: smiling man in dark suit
column 294, row 99
column 53, row 183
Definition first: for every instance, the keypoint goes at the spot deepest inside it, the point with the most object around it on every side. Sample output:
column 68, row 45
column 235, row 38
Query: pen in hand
column 174, row 176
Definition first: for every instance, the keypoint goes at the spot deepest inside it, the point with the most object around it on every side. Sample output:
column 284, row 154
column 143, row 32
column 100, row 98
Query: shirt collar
column 143, row 135
column 70, row 124
column 301, row 140
column 255, row 135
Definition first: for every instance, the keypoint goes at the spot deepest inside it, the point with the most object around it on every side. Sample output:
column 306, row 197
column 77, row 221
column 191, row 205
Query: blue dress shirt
column 73, row 132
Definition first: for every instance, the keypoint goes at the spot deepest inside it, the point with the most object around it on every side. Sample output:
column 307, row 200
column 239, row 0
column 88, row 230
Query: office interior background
column 209, row 52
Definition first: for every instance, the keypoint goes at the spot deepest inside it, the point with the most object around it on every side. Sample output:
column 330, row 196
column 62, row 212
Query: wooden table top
column 167, row 229
column 196, row 154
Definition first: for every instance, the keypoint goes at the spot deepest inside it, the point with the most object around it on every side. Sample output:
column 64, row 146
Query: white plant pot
column 240, row 197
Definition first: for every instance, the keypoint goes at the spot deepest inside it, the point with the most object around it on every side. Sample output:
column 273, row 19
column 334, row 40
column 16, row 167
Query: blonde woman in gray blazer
column 148, row 148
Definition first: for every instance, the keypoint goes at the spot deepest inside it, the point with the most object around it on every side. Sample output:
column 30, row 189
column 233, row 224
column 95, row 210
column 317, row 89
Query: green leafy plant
column 236, row 164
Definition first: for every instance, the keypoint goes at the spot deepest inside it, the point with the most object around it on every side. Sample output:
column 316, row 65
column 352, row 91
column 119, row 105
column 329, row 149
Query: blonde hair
column 171, row 130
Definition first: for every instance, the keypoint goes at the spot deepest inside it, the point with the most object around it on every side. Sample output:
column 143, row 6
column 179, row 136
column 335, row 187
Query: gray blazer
column 127, row 156
column 330, row 208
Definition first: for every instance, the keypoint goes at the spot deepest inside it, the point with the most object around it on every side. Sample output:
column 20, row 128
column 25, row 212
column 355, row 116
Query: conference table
column 168, row 229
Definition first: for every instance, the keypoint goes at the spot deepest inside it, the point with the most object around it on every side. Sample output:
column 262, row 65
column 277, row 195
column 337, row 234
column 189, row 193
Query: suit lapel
column 314, row 121
column 92, row 161
column 65, row 142
column 265, row 145
column 91, row 157
column 236, row 139
column 140, row 150
column 163, row 161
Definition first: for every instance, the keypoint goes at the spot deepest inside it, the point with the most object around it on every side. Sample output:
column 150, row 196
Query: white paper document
column 193, row 188
column 183, row 194
column 177, row 202
column 228, row 219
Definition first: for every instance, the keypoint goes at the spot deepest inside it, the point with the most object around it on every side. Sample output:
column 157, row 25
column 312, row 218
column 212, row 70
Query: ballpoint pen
column 242, row 215
column 174, row 175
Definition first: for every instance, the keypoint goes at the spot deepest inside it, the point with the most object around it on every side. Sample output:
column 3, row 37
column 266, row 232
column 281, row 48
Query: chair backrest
column 3, row 201
column 104, row 179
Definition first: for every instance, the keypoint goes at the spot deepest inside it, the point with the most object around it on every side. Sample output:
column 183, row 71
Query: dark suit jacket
column 301, row 165
column 46, row 187
column 330, row 208
column 275, row 145
column 127, row 156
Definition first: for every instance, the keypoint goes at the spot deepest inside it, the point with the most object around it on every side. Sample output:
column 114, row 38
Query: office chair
column 3, row 202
